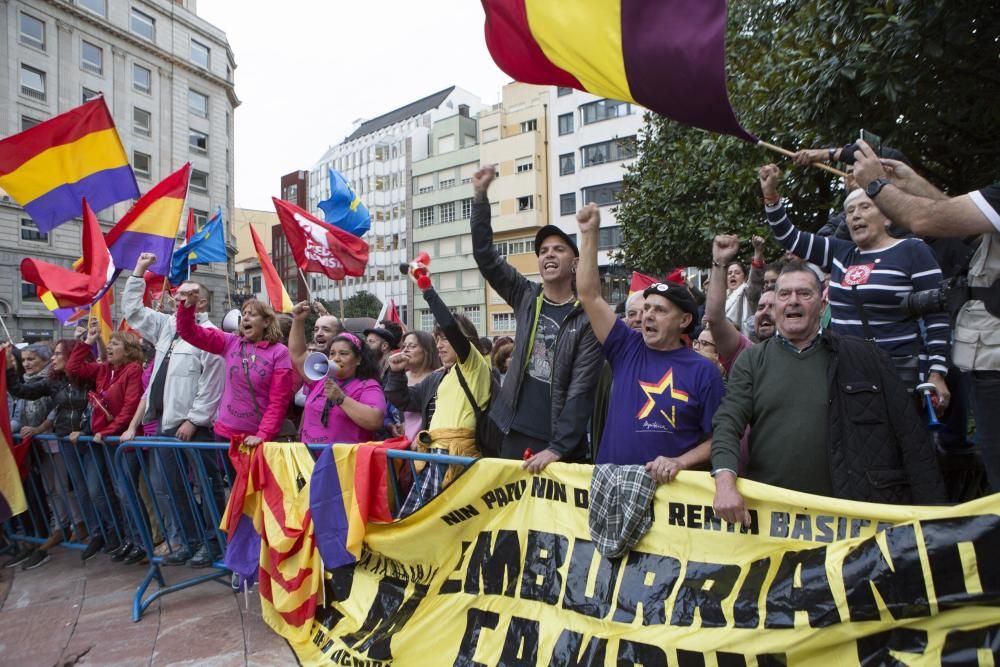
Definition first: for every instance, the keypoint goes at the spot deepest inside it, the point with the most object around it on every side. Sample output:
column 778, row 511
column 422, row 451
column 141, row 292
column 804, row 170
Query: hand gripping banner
column 500, row 570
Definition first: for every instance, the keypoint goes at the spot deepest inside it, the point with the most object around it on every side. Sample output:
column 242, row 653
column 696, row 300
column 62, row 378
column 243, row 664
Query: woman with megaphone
column 459, row 395
column 344, row 400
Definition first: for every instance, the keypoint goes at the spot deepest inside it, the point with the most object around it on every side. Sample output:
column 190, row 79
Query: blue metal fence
column 164, row 495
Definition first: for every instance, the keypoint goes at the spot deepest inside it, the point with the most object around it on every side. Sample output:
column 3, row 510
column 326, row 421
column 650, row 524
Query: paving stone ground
column 72, row 613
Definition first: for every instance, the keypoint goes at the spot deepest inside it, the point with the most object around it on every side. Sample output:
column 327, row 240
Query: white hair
column 855, row 194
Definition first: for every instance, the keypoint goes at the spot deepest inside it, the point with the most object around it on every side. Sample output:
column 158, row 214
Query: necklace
column 549, row 301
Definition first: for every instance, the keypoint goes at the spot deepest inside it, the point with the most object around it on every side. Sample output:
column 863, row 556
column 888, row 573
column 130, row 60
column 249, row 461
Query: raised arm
column 588, row 277
column 146, row 321
column 502, row 277
column 81, row 364
column 816, row 249
column 203, row 338
column 755, row 283
column 297, row 337
column 448, row 324
column 727, row 338
column 911, row 201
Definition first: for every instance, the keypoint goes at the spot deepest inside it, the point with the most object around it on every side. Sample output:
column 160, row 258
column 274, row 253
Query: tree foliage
column 922, row 74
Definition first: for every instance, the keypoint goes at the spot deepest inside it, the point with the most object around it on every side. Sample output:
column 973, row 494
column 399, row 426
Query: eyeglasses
column 698, row 343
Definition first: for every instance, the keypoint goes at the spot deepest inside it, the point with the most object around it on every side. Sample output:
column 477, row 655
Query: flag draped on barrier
column 12, row 500
column 667, row 55
column 319, row 247
column 276, row 292
column 501, row 569
column 151, row 224
column 62, row 288
column 50, row 167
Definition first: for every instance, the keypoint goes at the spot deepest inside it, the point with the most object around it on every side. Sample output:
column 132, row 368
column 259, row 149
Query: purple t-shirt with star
column 662, row 403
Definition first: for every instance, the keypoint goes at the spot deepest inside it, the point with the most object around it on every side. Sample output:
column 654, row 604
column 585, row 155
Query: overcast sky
column 306, row 69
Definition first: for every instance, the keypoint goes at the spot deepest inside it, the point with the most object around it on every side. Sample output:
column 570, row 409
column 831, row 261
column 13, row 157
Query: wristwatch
column 875, row 187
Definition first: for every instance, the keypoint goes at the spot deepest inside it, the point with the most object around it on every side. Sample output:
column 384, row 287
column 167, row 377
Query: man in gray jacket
column 183, row 395
column 545, row 403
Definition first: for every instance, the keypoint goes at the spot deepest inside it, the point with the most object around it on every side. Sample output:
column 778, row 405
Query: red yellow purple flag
column 12, row 500
column 667, row 55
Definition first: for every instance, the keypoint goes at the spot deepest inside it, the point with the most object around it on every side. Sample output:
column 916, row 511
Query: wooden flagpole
column 163, row 294
column 340, row 292
column 4, row 324
column 788, row 153
column 309, row 296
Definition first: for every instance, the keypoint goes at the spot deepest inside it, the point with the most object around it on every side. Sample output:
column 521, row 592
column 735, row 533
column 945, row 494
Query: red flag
column 155, row 284
column 319, row 247
column 392, row 314
column 189, row 232
column 676, row 276
column 276, row 292
column 640, row 281
column 12, row 501
column 59, row 287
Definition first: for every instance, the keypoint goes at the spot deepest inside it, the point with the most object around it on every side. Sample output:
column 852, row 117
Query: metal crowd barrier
column 151, row 491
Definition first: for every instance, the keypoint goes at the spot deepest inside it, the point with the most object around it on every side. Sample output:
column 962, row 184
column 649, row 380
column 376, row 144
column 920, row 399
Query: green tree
column 923, row 74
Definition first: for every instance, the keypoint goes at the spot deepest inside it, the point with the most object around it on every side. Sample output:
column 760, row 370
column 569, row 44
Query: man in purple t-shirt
column 663, row 394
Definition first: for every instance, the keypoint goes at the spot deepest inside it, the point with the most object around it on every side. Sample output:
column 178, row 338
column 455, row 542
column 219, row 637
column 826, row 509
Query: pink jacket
column 243, row 411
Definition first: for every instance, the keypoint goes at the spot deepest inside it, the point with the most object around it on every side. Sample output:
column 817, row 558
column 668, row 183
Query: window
column 515, row 246
column 89, row 94
column 602, row 195
column 425, row 216
column 200, row 218
column 426, row 320
column 91, row 58
column 28, row 122
column 197, row 103
column 472, row 312
column 291, row 192
column 143, row 25
column 490, row 134
column 142, row 78
column 197, row 141
column 504, row 322
column 566, row 123
column 471, row 278
column 563, row 91
column 529, row 125
column 603, row 110
column 567, row 164
column 446, row 144
column 142, row 122
column 99, row 7
column 448, row 212
column 447, row 183
column 609, row 151
column 200, row 54
column 33, row 83
column 567, row 203
column 466, row 209
column 199, row 180
column 610, row 238
column 28, row 291
column 448, row 280
column 523, row 164
column 142, row 164
column 29, row 231
column 32, row 31
column 525, row 203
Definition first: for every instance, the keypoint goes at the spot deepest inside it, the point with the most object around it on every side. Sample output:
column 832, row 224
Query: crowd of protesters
column 804, row 373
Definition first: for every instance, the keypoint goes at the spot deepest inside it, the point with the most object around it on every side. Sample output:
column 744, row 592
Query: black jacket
column 576, row 362
column 878, row 444
column 418, row 398
column 69, row 400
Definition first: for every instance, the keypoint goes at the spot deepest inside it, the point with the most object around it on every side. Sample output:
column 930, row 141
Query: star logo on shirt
column 651, row 390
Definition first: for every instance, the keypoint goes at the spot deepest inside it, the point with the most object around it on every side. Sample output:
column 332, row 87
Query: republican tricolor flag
column 667, row 55
column 319, row 247
column 276, row 292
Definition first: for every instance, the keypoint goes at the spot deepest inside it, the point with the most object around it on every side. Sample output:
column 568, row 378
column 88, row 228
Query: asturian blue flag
column 344, row 208
column 205, row 247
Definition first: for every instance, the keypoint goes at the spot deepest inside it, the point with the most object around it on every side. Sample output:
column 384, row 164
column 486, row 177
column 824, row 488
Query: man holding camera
column 909, row 199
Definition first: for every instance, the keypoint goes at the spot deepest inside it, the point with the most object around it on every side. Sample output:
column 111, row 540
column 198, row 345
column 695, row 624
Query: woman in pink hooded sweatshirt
column 259, row 372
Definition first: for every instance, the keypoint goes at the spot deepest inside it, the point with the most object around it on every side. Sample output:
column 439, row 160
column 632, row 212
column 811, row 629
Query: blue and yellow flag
column 344, row 208
column 205, row 247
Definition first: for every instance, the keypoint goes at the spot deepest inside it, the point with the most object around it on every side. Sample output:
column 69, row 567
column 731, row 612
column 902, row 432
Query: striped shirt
column 881, row 279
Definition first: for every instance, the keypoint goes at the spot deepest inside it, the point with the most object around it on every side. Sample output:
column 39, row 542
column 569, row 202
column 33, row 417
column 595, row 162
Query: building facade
column 167, row 77
column 592, row 141
column 248, row 279
column 376, row 159
column 294, row 189
column 442, row 207
column 514, row 137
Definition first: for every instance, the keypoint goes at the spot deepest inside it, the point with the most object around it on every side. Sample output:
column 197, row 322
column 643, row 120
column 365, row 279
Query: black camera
column 948, row 298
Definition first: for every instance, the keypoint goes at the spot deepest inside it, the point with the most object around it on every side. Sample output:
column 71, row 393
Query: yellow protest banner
column 500, row 570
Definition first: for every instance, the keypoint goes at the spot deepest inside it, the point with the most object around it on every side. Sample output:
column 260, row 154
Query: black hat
column 681, row 297
column 551, row 230
column 385, row 335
